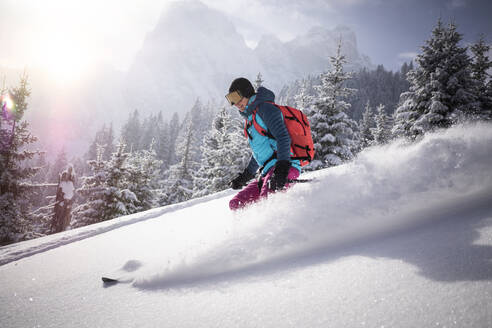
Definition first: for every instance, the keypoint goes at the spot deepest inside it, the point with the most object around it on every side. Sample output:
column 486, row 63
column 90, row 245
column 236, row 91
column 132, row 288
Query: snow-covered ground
column 400, row 237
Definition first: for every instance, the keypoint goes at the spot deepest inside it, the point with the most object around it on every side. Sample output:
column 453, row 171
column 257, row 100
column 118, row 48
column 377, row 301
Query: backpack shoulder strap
column 261, row 130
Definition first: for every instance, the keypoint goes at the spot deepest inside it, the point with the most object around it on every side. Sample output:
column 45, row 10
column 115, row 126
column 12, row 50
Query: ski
column 125, row 274
column 108, row 280
column 300, row 180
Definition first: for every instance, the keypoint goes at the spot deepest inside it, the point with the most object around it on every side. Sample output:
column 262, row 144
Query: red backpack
column 301, row 142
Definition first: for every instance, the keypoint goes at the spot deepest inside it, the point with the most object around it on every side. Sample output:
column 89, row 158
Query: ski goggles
column 234, row 97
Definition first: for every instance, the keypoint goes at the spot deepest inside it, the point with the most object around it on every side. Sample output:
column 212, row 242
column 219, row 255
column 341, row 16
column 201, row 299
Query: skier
column 271, row 155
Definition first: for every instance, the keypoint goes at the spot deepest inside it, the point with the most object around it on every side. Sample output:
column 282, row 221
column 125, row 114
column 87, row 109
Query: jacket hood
column 262, row 95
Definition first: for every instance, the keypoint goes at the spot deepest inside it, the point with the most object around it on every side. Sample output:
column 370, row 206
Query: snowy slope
column 401, row 237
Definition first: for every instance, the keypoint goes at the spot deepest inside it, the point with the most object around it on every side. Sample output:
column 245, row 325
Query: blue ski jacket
column 270, row 118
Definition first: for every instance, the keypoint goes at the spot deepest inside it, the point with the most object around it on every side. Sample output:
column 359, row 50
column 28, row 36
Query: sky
column 67, row 37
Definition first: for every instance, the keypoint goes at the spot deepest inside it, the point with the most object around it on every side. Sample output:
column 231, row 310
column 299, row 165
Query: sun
column 64, row 60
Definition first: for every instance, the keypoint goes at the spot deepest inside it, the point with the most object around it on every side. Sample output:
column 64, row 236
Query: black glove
column 279, row 176
column 241, row 180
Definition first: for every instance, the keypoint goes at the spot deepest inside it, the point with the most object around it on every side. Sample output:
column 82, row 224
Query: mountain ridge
column 181, row 61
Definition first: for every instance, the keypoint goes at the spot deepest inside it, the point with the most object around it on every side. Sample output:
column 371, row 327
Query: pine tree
column 223, row 155
column 79, row 166
column 161, row 142
column 44, row 167
column 107, row 192
column 93, row 189
column 120, row 200
column 382, row 132
column 239, row 148
column 40, row 180
column 104, row 137
column 201, row 117
column 174, row 128
column 303, row 100
column 367, row 126
column 441, row 90
column 15, row 188
column 108, row 141
column 143, row 177
column 480, row 67
column 58, row 166
column 131, row 131
column 179, row 184
column 334, row 133
column 405, row 115
column 149, row 132
column 414, row 102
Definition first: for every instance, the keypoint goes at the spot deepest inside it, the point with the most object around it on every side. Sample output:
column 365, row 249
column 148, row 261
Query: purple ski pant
column 251, row 193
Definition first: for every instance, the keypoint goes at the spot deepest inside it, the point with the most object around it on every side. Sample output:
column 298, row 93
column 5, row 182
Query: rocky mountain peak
column 195, row 51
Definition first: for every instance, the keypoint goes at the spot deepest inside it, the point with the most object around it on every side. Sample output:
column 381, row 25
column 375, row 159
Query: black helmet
column 244, row 87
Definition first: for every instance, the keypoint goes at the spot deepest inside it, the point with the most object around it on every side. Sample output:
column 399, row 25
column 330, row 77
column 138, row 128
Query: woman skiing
column 271, row 152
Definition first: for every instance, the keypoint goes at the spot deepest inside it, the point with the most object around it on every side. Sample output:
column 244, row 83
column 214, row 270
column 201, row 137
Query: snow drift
column 384, row 190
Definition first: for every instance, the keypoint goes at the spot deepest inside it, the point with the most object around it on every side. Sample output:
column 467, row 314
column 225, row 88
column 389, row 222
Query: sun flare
column 64, row 60
column 7, row 102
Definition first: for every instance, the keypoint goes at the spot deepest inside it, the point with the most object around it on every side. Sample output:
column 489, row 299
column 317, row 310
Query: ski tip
column 107, row 280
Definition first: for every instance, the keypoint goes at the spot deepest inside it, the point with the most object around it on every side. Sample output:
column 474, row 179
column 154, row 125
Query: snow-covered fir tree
column 58, row 166
column 335, row 135
column 201, row 116
column 150, row 129
column 238, row 148
column 441, row 87
column 287, row 95
column 44, row 168
column 139, row 135
column 480, row 67
column 405, row 115
column 382, row 131
column 143, row 177
column 119, row 199
column 93, row 188
column 225, row 152
column 131, row 131
column 161, row 143
column 178, row 187
column 108, row 141
column 106, row 190
column 40, row 179
column 366, row 126
column 304, row 100
column 105, row 138
column 42, row 218
column 173, row 132
column 79, row 166
column 15, row 176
